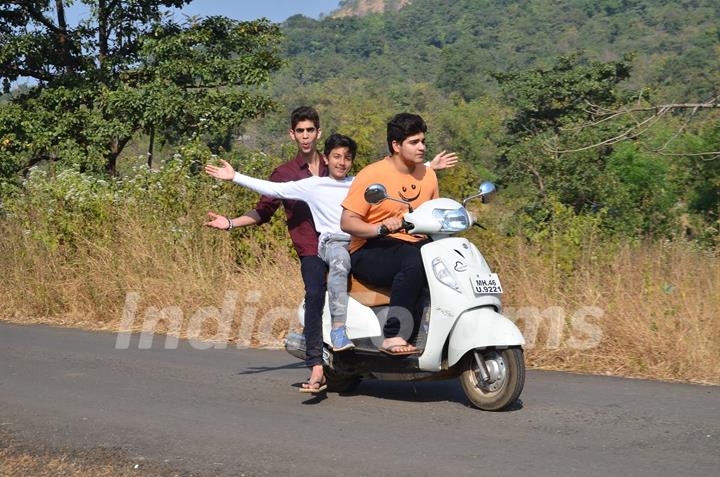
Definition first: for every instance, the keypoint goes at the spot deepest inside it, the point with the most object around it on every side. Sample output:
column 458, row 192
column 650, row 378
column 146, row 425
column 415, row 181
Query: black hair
column 402, row 126
column 304, row 113
column 338, row 140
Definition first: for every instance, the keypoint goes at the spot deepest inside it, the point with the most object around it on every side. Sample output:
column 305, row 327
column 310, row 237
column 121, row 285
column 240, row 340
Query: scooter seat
column 366, row 294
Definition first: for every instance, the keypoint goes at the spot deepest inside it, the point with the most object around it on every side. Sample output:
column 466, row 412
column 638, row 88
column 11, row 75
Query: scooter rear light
column 443, row 275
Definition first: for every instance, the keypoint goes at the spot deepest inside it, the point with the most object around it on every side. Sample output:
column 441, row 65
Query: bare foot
column 398, row 345
column 316, row 378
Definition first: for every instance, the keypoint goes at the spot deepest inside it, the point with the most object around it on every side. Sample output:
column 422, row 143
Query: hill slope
column 456, row 46
column 360, row 8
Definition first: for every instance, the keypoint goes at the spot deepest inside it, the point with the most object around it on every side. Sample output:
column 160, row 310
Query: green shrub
column 63, row 207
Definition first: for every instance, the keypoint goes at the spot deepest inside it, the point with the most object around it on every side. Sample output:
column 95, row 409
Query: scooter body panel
column 361, row 320
column 453, row 311
column 462, row 260
column 480, row 328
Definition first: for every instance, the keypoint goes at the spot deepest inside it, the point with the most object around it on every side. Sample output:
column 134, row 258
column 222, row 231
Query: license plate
column 486, row 283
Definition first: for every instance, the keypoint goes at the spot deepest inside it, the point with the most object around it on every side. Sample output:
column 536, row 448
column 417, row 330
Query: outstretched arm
column 443, row 161
column 263, row 211
column 224, row 222
column 281, row 190
column 225, row 173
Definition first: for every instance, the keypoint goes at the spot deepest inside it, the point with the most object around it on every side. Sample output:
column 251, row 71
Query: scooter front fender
column 481, row 328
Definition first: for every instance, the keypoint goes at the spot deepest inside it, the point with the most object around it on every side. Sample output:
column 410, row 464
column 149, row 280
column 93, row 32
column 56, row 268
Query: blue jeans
column 313, row 271
column 333, row 250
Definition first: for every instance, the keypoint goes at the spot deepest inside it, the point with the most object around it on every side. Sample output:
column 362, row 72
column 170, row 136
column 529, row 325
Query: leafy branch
column 600, row 115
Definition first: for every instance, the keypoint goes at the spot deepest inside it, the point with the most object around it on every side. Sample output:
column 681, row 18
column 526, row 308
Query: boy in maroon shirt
column 305, row 132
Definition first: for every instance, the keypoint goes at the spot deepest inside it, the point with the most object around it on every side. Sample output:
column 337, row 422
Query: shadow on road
column 434, row 391
column 315, row 399
column 267, row 369
column 448, row 390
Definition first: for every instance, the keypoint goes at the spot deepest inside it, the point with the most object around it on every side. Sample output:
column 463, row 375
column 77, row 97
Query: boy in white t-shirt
column 323, row 195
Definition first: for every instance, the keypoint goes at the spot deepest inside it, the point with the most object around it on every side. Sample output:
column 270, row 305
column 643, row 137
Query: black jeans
column 313, row 271
column 389, row 262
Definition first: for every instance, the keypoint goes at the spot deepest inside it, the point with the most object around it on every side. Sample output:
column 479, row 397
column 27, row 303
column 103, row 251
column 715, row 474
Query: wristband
column 230, row 224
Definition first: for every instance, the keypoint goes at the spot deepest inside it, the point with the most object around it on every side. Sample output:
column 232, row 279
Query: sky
column 275, row 10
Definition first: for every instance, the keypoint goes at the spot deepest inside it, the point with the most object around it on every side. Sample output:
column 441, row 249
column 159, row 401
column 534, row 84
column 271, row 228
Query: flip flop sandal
column 389, row 350
column 322, row 386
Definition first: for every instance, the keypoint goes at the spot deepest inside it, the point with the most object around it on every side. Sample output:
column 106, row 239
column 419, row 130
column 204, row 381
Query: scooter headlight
column 452, row 220
column 443, row 275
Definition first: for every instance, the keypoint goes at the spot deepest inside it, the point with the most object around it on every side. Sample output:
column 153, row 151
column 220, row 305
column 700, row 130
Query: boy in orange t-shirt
column 394, row 260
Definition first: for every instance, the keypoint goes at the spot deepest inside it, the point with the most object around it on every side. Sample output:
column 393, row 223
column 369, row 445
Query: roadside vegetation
column 605, row 231
column 22, row 459
column 645, row 308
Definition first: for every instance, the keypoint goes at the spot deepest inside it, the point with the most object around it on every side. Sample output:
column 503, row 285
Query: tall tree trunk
column 62, row 35
column 102, row 35
column 116, row 148
column 151, row 146
column 111, row 164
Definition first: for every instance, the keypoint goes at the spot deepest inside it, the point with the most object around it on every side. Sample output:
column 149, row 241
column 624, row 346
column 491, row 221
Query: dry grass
column 19, row 463
column 659, row 302
column 22, row 460
column 172, row 277
column 654, row 310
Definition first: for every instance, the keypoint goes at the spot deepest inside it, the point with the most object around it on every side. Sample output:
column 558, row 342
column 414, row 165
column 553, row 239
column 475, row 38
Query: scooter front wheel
column 506, row 378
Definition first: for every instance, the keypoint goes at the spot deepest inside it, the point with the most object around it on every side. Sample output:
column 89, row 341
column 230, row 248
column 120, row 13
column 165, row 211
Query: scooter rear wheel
column 507, row 370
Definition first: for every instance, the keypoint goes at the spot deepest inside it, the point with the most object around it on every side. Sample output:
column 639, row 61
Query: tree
column 581, row 140
column 550, row 98
column 546, row 101
column 127, row 67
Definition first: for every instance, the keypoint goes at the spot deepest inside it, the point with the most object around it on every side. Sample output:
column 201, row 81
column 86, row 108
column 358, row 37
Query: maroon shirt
column 299, row 219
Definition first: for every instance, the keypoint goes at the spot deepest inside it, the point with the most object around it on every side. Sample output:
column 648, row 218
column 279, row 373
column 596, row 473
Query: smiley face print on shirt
column 415, row 189
column 410, row 192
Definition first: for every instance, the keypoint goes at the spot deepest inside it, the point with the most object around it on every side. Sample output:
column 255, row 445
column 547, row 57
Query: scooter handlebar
column 405, row 226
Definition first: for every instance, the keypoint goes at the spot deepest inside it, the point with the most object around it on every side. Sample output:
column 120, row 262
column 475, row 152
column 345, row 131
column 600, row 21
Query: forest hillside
column 457, row 45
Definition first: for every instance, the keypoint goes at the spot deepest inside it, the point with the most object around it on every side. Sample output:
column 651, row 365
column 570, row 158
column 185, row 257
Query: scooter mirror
column 485, row 191
column 375, row 193
column 486, row 188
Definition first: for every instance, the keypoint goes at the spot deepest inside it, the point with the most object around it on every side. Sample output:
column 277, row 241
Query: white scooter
column 462, row 331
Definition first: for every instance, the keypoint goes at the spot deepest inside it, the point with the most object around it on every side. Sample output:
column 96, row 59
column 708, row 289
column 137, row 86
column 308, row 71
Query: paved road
column 234, row 412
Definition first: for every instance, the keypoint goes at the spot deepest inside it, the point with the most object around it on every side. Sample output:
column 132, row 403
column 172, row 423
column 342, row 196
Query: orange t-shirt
column 418, row 187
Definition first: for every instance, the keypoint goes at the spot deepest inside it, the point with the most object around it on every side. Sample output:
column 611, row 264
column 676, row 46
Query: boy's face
column 305, row 135
column 339, row 162
column 412, row 149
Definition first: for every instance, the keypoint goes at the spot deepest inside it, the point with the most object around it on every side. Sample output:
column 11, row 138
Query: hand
column 393, row 224
column 226, row 172
column 444, row 161
column 218, row 221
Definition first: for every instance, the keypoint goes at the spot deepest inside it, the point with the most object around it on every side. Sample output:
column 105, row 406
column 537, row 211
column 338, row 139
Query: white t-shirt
column 322, row 194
